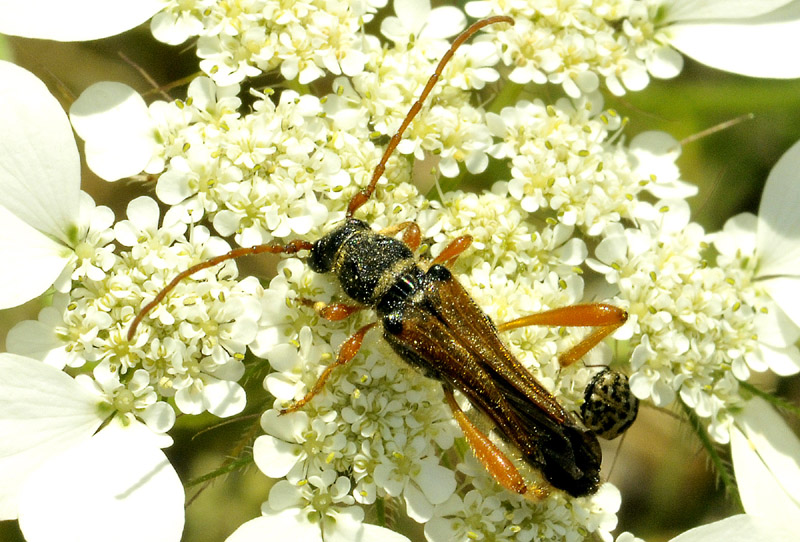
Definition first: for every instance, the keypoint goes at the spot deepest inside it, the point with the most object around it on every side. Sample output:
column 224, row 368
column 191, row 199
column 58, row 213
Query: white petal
column 786, row 293
column 778, row 234
column 766, row 461
column 172, row 186
column 289, row 427
column 189, row 401
column 39, row 164
column 683, row 10
column 665, row 63
column 37, row 339
column 289, row 524
column 758, row 47
column 144, row 213
column 440, row 529
column 74, row 20
column 159, row 417
column 118, row 486
column 443, row 22
column 436, row 482
column 775, row 329
column 741, row 528
column 412, row 13
column 782, row 361
column 43, row 411
column 739, row 233
column 285, row 495
column 31, row 261
column 418, row 507
column 274, row 457
column 344, row 525
column 114, row 121
column 223, row 398
column 371, row 533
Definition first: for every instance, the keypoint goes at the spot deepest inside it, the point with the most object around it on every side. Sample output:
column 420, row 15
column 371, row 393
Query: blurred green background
column 659, row 466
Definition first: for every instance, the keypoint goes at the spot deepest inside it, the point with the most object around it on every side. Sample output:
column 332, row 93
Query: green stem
column 233, row 465
column 380, row 509
column 722, row 470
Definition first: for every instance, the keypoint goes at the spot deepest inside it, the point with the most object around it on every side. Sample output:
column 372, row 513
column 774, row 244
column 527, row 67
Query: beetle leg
column 605, row 318
column 452, row 251
column 330, row 311
column 346, row 353
column 491, row 457
column 412, row 236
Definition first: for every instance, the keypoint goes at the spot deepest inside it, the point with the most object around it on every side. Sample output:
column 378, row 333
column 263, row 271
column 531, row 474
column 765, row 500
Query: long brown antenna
column 291, row 248
column 361, row 197
column 357, row 201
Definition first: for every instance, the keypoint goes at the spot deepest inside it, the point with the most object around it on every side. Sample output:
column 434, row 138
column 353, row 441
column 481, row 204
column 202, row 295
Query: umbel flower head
column 575, row 213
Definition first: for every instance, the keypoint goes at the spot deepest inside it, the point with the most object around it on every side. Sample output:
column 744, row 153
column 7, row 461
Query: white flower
column 74, row 21
column 177, row 21
column 111, row 117
column 296, row 524
column 405, row 470
column 765, row 454
column 61, row 499
column 739, row 528
column 750, row 38
column 416, row 18
column 778, row 234
column 57, row 473
column 42, row 223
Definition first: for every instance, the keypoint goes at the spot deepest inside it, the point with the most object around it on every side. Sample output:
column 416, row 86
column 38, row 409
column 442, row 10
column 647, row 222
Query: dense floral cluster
column 580, row 214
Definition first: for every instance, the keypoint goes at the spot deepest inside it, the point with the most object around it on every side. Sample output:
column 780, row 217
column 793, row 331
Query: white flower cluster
column 579, row 44
column 243, row 39
column 578, row 215
column 698, row 329
column 193, row 352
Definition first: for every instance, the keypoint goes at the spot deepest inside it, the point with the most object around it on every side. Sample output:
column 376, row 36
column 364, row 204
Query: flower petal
column 683, row 10
column 31, row 261
column 741, row 528
column 443, row 22
column 288, row 523
column 42, row 412
column 114, row 121
column 758, row 46
column 766, row 462
column 778, row 233
column 116, row 485
column 75, row 20
column 274, row 457
column 412, row 13
column 223, row 398
column 40, row 172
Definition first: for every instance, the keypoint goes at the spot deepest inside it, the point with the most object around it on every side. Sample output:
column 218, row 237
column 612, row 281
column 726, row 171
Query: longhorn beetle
column 432, row 323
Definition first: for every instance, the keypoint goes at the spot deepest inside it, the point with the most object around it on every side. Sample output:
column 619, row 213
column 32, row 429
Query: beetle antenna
column 291, row 248
column 362, row 196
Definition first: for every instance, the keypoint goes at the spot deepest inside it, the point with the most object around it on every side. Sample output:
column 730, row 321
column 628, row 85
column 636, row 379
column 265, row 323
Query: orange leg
column 346, row 353
column 452, row 251
column 606, row 318
column 491, row 457
column 412, row 236
column 330, row 311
